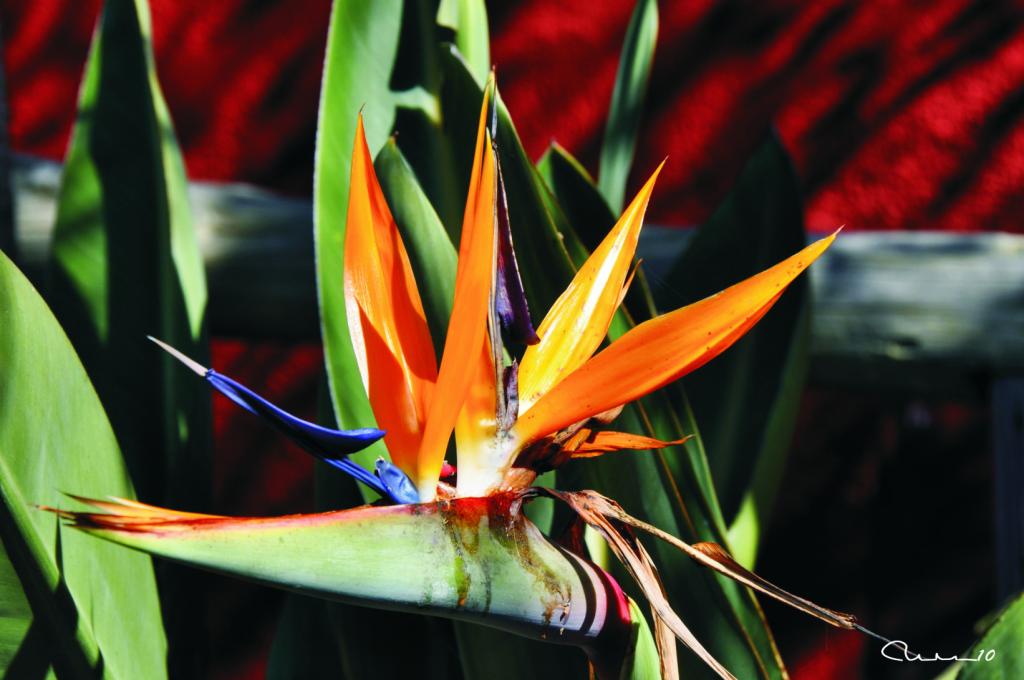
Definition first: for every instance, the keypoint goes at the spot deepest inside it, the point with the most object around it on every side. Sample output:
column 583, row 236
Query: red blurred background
column 900, row 115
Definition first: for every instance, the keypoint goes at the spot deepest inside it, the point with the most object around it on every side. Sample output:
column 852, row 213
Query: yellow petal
column 475, row 429
column 385, row 315
column 467, row 326
column 577, row 323
column 663, row 349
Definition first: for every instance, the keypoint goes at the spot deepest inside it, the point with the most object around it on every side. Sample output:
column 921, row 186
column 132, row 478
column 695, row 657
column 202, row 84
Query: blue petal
column 330, row 446
column 397, row 483
column 321, row 441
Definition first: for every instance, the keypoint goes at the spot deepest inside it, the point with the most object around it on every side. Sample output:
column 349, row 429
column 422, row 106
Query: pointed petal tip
column 196, row 367
column 649, row 184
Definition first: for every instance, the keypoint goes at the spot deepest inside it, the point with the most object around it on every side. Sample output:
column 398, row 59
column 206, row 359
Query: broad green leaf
column 25, row 643
column 303, row 646
column 486, row 653
column 125, row 263
column 468, row 18
column 642, row 661
column 576, row 195
column 1004, row 637
column 362, row 46
column 671, row 488
column 430, row 250
column 381, row 59
column 94, row 607
column 627, row 103
column 533, row 229
column 746, row 401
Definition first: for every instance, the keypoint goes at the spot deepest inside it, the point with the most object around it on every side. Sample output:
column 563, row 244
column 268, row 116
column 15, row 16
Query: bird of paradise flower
column 478, row 557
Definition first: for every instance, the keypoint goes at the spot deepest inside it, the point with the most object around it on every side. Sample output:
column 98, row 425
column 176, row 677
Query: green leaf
column 1003, row 638
column 576, row 195
column 643, row 662
column 487, row 653
column 303, row 646
column 362, row 44
column 538, row 243
column 125, row 263
column 468, row 18
column 672, row 488
column 627, row 102
column 381, row 59
column 746, row 400
column 25, row 644
column 93, row 606
column 431, row 252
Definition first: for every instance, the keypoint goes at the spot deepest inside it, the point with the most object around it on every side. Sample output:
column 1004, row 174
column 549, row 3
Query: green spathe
column 473, row 559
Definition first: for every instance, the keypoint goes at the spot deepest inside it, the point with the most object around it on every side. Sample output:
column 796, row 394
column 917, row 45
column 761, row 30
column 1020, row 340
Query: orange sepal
column 593, row 444
column 663, row 349
column 385, row 314
column 578, row 321
column 467, row 326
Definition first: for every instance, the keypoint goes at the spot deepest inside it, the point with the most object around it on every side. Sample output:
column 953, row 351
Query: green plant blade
column 1004, row 638
column 25, row 644
column 96, row 607
column 362, row 46
column 430, row 250
column 533, row 229
column 381, row 59
column 746, row 401
column 671, row 488
column 627, row 103
column 468, row 18
column 488, row 653
column 303, row 646
column 125, row 263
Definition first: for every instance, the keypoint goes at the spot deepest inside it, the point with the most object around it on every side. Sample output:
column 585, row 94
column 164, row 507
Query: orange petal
column 597, row 443
column 665, row 348
column 385, row 315
column 577, row 323
column 467, row 326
